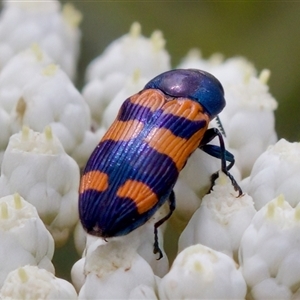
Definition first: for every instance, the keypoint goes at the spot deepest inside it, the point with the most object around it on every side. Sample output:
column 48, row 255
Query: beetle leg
column 215, row 151
column 156, row 248
column 221, row 153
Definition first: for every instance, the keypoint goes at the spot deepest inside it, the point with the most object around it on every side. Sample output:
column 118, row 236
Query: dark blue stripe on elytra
column 132, row 111
column 114, row 216
column 179, row 126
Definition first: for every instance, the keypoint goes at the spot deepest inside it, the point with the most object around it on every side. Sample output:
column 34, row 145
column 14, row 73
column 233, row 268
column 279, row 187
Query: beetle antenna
column 220, row 126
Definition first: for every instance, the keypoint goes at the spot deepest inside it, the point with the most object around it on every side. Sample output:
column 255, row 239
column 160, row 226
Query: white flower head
column 24, row 237
column 142, row 292
column 199, row 272
column 270, row 250
column 141, row 240
column 194, row 60
column 36, row 166
column 221, row 219
column 113, row 269
column 5, row 130
column 30, row 282
column 276, row 171
column 131, row 52
column 41, row 94
column 122, row 70
column 98, row 93
column 248, row 119
column 187, row 202
column 132, row 85
column 23, row 23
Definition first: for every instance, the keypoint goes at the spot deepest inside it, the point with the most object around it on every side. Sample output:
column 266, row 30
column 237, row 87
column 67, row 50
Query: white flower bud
column 36, row 166
column 98, row 93
column 23, row 23
column 41, row 94
column 248, row 119
column 132, row 85
column 199, row 272
column 187, row 202
column 5, row 130
column 24, row 237
column 113, row 269
column 123, row 69
column 119, row 283
column 221, row 220
column 143, row 238
column 77, row 274
column 142, row 292
column 276, row 171
column 132, row 52
column 269, row 251
column 194, row 60
column 30, row 282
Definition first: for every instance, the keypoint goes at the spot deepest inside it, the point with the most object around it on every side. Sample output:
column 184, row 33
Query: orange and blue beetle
column 133, row 170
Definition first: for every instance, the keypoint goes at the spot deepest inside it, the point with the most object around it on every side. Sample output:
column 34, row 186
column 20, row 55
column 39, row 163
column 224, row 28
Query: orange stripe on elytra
column 150, row 98
column 184, row 108
column 140, row 193
column 94, row 180
column 123, row 130
column 177, row 148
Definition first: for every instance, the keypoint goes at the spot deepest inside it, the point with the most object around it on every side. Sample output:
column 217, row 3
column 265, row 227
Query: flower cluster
column 229, row 246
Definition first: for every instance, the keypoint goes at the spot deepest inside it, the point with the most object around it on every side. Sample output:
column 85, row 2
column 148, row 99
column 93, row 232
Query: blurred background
column 265, row 32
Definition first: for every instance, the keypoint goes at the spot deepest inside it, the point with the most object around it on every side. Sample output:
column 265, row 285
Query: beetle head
column 193, row 84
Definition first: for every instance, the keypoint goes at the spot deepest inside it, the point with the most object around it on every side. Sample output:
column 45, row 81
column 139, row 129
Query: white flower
column 36, row 166
column 270, row 251
column 132, row 85
column 230, row 71
column 77, row 274
column 145, row 250
column 248, row 118
column 142, row 292
column 18, row 72
column 99, row 92
column 106, row 97
column 132, row 56
column 23, row 23
column 187, row 202
column 199, row 272
column 30, row 282
column 132, row 52
column 37, row 93
column 221, row 220
column 5, row 130
column 24, row 237
column 113, row 269
column 276, row 171
column 140, row 240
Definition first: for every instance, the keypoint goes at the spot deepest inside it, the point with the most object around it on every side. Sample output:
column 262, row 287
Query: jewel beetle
column 132, row 171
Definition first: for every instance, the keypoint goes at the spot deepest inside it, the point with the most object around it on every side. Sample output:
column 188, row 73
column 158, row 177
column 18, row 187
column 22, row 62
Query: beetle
column 132, row 171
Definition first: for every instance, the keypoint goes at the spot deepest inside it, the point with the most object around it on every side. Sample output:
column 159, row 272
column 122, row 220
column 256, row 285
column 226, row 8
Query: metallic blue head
column 196, row 85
